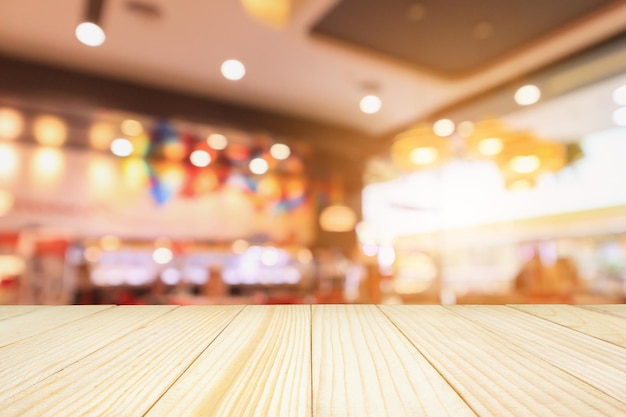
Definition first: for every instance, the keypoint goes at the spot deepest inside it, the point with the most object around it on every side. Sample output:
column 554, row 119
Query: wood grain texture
column 39, row 320
column 618, row 310
column 495, row 377
column 362, row 366
column 602, row 326
column 10, row 311
column 30, row 361
column 258, row 366
column 126, row 377
column 597, row 362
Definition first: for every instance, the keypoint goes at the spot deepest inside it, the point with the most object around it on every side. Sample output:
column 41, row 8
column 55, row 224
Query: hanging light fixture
column 420, row 148
column 89, row 31
column 274, row 13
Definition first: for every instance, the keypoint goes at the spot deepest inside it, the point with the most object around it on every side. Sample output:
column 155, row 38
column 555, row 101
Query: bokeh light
column 423, row 156
column 258, row 166
column 122, row 147
column 200, row 158
column 443, row 127
column 370, row 104
column 50, row 130
column 233, row 70
column 90, row 34
column 47, row 165
column 162, row 255
column 110, row 243
column 6, row 202
column 100, row 135
column 11, row 123
column 217, row 141
column 525, row 164
column 280, row 151
column 490, row 146
column 131, row 127
column 9, row 161
column 527, row 95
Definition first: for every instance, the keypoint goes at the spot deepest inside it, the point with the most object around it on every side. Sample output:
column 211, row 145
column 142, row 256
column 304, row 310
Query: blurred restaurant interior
column 312, row 151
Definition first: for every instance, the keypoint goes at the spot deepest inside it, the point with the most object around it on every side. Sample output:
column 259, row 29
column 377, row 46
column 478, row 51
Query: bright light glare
column 619, row 116
column 121, row 147
column 162, row 255
column 490, row 146
column 386, row 256
column 269, row 257
column 11, row 123
column 423, row 156
column 619, row 96
column 217, row 141
column 525, row 164
column 370, row 249
column 280, row 151
column 370, row 104
column 443, row 127
column 527, row 95
column 8, row 161
column 200, row 158
column 233, row 70
column 258, row 166
column 47, row 165
column 90, row 34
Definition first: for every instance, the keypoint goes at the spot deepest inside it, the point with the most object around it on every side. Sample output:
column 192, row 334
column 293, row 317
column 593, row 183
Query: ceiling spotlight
column 527, row 95
column 443, row 127
column 233, row 70
column 89, row 31
column 370, row 104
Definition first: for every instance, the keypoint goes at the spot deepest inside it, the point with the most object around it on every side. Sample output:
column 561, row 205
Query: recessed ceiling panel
column 450, row 37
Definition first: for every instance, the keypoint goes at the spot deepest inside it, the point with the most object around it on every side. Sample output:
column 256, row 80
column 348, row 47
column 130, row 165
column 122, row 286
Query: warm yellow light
column 525, row 164
column 11, row 123
column 527, row 95
column 274, row 13
column 6, row 202
column 280, row 151
column 443, row 127
column 162, row 255
column 370, row 104
column 520, row 184
column 47, row 165
column 101, row 135
column 423, row 156
column 233, row 70
column 101, row 174
column 337, row 218
column 110, row 243
column 239, row 246
column 131, row 127
column 135, row 172
column 258, row 166
column 466, row 128
column 200, row 158
column 50, row 130
column 490, row 146
column 122, row 147
column 217, row 141
column 8, row 161
column 173, row 177
column 305, row 256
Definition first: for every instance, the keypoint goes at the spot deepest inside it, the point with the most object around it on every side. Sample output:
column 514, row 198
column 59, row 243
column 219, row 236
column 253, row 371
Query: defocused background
column 312, row 151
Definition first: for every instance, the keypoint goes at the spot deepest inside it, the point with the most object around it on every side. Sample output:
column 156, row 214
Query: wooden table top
column 320, row 360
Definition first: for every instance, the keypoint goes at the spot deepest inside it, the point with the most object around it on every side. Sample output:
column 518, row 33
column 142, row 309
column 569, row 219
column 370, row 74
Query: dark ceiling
column 450, row 37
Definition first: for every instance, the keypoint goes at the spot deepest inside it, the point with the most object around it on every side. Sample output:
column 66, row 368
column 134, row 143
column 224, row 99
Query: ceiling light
column 217, row 141
column 490, row 146
column 280, row 151
column 50, row 130
column 89, row 31
column 525, row 164
column 162, row 255
column 619, row 96
column 443, row 127
column 258, row 166
column 131, row 127
column 423, row 156
column 121, row 147
column 200, row 158
column 233, row 70
column 527, row 95
column 619, row 116
column 370, row 104
column 11, row 123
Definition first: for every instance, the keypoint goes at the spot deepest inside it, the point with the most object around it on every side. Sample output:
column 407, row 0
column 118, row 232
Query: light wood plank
column 126, row 377
column 618, row 310
column 30, row 361
column 602, row 326
column 39, row 320
column 10, row 311
column 363, row 366
column 594, row 361
column 495, row 377
column 258, row 366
